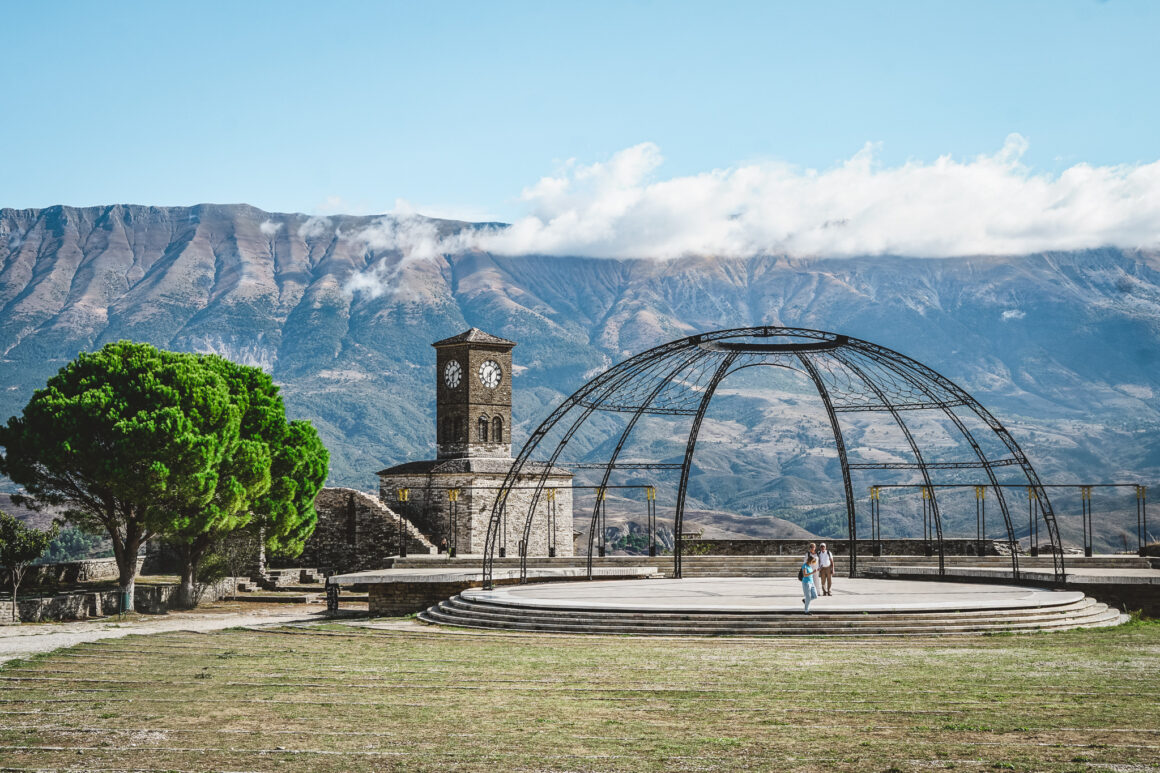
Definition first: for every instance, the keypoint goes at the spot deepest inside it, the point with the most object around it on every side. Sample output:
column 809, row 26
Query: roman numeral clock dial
column 490, row 374
column 452, row 373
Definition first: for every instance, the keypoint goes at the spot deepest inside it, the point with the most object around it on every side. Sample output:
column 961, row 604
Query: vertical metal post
column 453, row 521
column 926, row 547
column 503, row 527
column 650, row 494
column 602, row 523
column 875, row 521
column 1141, row 518
column 1032, row 542
column 980, row 518
column 551, row 523
column 1085, row 500
column 402, row 496
column 1144, row 510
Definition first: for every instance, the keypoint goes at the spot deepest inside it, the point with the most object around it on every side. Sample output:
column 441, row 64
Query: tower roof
column 474, row 336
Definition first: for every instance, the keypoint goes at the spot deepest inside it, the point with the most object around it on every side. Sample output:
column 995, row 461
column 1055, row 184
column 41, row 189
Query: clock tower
column 450, row 498
column 473, row 396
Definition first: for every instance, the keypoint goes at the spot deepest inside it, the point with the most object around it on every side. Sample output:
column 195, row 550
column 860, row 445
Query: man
column 825, row 569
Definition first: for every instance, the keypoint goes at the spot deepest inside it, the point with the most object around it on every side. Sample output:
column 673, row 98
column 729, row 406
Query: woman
column 808, row 570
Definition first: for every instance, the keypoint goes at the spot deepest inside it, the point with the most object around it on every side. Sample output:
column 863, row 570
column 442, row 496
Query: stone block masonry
column 76, row 571
column 82, row 605
column 840, row 547
column 464, row 523
column 356, row 531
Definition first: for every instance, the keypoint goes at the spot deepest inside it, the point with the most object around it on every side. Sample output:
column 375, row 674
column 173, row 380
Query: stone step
column 462, row 607
column 816, row 621
column 474, row 613
column 498, row 607
column 801, row 625
column 275, row 598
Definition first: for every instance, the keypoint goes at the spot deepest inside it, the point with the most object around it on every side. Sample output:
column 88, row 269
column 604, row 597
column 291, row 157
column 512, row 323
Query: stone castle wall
column 76, row 571
column 356, row 532
column 841, row 547
column 464, row 523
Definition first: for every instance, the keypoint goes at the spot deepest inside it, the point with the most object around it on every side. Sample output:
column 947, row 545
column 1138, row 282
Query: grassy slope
column 342, row 698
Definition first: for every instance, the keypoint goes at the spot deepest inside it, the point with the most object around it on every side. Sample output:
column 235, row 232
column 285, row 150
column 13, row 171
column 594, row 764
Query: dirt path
column 19, row 641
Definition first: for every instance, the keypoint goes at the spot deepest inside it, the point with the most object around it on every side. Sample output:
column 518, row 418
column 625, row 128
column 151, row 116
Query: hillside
column 1064, row 347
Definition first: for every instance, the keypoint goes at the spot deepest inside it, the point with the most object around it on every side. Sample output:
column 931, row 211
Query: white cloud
column 1011, row 314
column 269, row 227
column 992, row 204
column 622, row 208
column 314, row 227
column 402, row 231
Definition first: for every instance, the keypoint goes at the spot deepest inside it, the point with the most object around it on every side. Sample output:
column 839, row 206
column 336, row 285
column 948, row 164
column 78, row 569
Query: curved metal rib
column 839, row 441
column 679, row 511
column 997, row 427
column 970, row 437
column 685, row 363
column 914, row 449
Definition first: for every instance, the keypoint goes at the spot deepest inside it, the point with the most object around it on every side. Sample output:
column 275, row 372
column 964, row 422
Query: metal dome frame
column 849, row 374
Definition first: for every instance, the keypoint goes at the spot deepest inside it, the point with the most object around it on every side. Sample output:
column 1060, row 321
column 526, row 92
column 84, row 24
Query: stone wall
column 82, row 605
column 839, row 547
column 464, row 523
column 392, row 599
column 76, row 571
column 356, row 532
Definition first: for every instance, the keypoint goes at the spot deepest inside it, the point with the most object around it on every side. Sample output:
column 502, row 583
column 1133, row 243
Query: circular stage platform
column 748, row 606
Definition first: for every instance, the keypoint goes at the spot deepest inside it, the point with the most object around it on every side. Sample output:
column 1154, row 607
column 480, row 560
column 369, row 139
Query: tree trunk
column 185, row 597
column 191, row 555
column 127, row 569
column 15, row 585
column 128, row 588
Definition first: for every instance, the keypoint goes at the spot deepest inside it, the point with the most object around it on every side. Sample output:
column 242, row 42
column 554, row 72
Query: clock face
column 490, row 374
column 452, row 373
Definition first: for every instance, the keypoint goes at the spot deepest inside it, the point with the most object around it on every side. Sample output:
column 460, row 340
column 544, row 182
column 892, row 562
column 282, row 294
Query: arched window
column 458, row 435
column 482, row 429
column 497, row 430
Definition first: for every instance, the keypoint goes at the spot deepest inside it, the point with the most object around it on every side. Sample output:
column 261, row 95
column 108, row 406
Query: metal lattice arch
column 851, row 377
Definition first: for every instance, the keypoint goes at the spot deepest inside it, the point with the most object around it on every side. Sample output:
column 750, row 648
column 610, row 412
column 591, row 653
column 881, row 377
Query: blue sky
column 458, row 108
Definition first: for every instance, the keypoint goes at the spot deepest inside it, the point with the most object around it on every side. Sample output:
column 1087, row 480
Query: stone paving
column 774, row 594
column 19, row 641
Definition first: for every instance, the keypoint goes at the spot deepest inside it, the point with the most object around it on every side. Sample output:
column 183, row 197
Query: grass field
column 344, row 698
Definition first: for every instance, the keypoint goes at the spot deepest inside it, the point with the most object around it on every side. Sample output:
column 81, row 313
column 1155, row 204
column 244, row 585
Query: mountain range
column 1063, row 347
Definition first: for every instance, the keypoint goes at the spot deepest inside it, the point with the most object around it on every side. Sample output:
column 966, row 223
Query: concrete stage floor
column 772, row 594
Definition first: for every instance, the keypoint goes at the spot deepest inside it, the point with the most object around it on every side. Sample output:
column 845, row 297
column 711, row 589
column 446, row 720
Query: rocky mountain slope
column 1065, row 348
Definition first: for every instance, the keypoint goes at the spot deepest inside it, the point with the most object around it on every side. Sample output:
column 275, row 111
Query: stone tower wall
column 464, row 405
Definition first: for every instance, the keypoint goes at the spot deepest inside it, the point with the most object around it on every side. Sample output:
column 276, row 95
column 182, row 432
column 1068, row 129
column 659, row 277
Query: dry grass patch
column 343, row 698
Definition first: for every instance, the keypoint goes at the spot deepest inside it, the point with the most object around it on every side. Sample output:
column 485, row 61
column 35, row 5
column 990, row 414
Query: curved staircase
column 468, row 612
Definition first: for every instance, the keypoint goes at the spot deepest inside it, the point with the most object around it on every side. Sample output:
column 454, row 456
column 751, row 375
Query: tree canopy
column 136, row 441
column 19, row 547
column 272, row 473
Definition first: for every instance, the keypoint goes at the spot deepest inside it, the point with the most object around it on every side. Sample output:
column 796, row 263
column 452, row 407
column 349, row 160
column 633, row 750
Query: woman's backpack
column 802, row 572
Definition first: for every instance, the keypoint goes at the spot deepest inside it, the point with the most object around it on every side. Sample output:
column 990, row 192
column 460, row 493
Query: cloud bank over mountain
column 989, row 205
